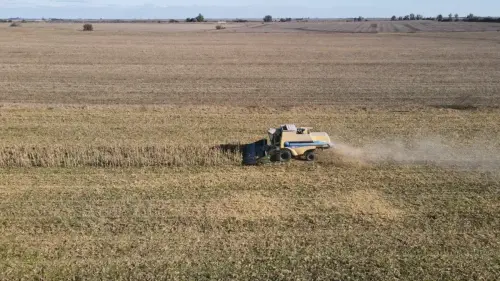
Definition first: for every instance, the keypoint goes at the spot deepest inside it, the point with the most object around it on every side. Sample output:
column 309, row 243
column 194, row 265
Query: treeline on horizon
column 268, row 18
column 469, row 18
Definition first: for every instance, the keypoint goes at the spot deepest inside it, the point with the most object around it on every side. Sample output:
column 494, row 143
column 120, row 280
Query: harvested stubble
column 246, row 69
column 279, row 223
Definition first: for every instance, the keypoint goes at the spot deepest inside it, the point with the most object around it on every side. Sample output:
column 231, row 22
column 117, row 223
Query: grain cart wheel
column 310, row 156
column 285, row 155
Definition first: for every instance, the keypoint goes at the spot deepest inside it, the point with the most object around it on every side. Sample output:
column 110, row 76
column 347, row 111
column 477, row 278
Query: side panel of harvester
column 298, row 144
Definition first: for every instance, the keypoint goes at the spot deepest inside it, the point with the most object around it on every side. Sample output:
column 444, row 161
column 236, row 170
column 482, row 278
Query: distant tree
column 407, row 17
column 88, row 27
column 400, row 18
column 419, row 17
column 456, row 17
column 440, row 17
column 200, row 18
column 360, row 18
column 450, row 17
column 470, row 16
column 412, row 16
column 393, row 18
column 268, row 18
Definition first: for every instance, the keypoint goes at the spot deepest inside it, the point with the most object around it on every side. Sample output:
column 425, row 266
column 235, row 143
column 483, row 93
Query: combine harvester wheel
column 310, row 155
column 285, row 155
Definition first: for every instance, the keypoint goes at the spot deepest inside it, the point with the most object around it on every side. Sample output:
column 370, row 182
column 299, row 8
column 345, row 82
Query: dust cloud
column 479, row 155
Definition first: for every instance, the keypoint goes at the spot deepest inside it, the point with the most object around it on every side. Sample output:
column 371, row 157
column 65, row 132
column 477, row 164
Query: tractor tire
column 285, row 155
column 310, row 156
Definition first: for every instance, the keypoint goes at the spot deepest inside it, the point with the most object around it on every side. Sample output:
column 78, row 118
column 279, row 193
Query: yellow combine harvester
column 285, row 143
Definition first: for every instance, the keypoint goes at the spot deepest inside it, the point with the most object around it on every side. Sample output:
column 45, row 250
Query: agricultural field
column 119, row 160
column 365, row 27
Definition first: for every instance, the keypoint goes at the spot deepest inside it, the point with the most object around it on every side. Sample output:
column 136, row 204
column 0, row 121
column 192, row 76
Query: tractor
column 285, row 143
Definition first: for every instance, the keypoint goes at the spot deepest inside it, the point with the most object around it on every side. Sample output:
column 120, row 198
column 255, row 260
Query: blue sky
column 241, row 8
